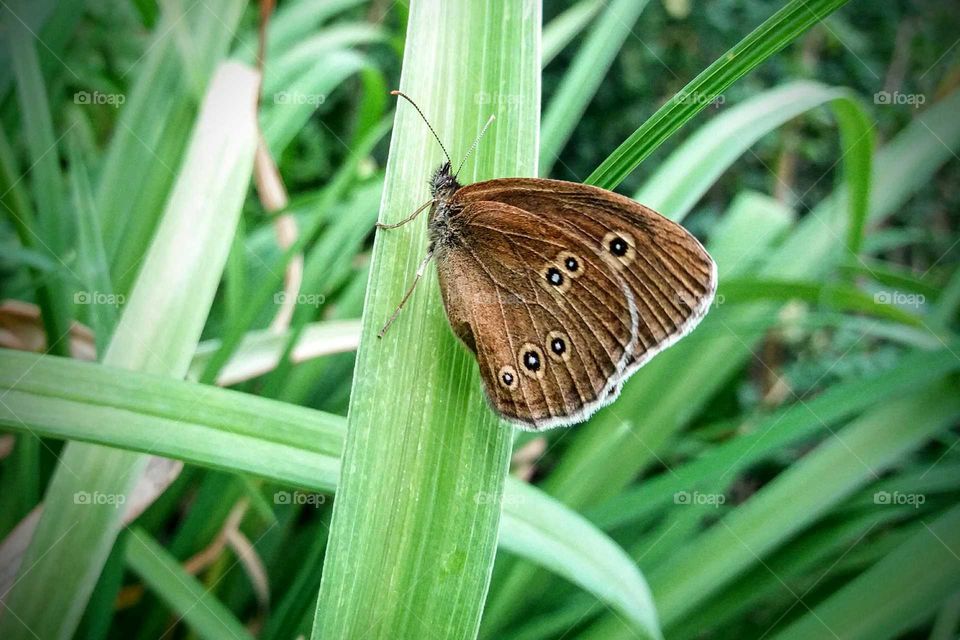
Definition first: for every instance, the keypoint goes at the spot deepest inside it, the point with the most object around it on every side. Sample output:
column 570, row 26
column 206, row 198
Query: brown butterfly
column 561, row 290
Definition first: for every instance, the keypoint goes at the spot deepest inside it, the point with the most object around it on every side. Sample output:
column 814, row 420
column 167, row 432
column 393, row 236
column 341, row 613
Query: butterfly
column 560, row 290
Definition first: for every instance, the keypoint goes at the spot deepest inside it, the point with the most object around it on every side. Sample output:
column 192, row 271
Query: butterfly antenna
column 429, row 126
column 475, row 143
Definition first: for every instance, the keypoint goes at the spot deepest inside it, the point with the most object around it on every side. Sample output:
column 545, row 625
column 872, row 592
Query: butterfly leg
column 406, row 296
column 413, row 215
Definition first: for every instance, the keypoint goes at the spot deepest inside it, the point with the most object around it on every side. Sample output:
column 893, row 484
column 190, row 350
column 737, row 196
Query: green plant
column 784, row 469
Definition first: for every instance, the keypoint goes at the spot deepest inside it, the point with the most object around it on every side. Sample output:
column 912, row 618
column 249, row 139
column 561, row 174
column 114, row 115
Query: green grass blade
column 273, row 278
column 584, row 76
column 949, row 302
column 558, row 539
column 303, row 58
column 92, row 263
column 901, row 590
column 774, row 34
column 17, row 206
column 687, row 174
column 285, row 113
column 948, row 619
column 328, row 264
column 837, row 296
column 225, row 429
column 190, row 600
column 440, row 466
column 45, row 179
column 560, row 31
column 69, row 399
column 153, row 124
column 294, row 22
column 260, row 351
column 768, row 434
column 35, row 16
column 798, row 496
column 856, row 148
column 158, row 332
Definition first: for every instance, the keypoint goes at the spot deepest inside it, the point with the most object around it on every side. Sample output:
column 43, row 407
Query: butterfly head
column 443, row 184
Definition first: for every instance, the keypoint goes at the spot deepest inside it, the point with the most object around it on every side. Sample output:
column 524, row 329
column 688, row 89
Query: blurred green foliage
column 828, row 369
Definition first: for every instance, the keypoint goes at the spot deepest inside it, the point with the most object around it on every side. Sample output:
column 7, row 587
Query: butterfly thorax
column 443, row 186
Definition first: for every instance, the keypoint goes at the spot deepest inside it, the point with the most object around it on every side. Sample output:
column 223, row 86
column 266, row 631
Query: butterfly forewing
column 553, row 324
column 670, row 275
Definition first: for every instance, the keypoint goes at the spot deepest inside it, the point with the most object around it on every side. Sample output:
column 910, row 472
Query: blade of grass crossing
column 299, row 447
column 273, row 278
column 768, row 434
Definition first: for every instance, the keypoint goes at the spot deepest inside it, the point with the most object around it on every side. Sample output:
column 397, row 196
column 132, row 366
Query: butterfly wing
column 670, row 275
column 551, row 323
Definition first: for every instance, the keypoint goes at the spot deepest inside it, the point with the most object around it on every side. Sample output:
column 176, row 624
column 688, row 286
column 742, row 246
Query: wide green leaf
column 439, row 467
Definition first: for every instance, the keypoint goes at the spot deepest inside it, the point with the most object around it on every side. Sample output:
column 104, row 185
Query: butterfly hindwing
column 670, row 275
column 553, row 324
